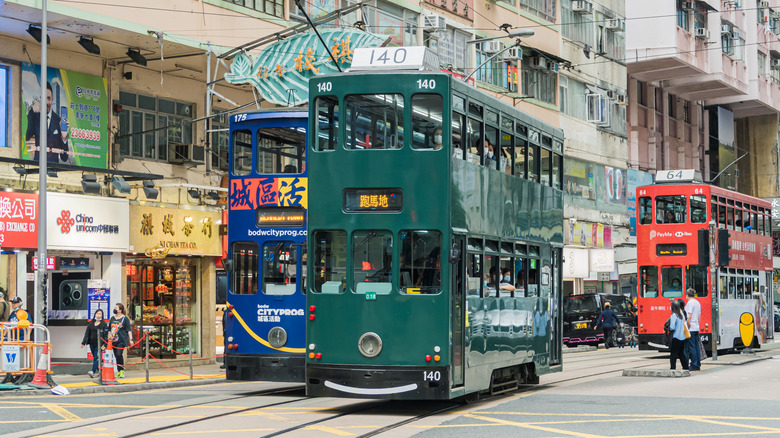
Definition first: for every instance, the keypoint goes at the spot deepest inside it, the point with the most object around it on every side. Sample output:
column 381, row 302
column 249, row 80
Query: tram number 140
column 433, row 376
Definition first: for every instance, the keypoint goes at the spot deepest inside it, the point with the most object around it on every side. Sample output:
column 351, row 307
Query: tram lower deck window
column 372, row 261
column 420, row 261
column 330, row 261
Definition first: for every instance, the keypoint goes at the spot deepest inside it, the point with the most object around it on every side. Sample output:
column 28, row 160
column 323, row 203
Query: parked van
column 580, row 313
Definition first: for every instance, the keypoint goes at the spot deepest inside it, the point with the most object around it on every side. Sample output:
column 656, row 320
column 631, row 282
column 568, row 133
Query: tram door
column 555, row 309
column 458, row 309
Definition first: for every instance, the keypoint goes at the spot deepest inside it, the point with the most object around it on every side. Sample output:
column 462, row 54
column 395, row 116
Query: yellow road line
column 532, row 426
column 332, row 430
column 214, row 432
column 62, row 412
column 79, row 436
column 30, row 421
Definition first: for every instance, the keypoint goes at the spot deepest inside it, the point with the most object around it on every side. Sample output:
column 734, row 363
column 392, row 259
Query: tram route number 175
column 433, row 376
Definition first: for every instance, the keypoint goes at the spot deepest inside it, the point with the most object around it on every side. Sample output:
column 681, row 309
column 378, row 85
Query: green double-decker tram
column 435, row 238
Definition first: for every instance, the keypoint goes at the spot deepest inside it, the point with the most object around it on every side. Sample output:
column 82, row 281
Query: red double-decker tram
column 685, row 229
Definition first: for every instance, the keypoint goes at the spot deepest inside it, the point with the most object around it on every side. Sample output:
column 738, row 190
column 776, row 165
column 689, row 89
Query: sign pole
column 42, row 157
column 714, row 291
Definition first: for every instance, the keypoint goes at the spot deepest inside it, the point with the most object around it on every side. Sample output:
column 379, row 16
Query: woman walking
column 96, row 328
column 677, row 327
column 121, row 335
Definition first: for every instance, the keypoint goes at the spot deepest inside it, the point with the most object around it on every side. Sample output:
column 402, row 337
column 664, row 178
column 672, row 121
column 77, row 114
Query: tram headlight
column 370, row 344
column 277, row 336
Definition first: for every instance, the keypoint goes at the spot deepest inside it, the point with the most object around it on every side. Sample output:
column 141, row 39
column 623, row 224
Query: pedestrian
column 96, row 329
column 677, row 327
column 15, row 316
column 121, row 335
column 608, row 320
column 693, row 308
column 5, row 309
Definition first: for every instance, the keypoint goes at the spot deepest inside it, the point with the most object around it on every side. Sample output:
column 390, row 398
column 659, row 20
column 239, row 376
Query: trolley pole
column 714, row 290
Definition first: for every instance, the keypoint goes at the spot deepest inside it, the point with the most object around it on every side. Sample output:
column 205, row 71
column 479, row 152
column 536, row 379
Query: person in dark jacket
column 608, row 320
column 96, row 327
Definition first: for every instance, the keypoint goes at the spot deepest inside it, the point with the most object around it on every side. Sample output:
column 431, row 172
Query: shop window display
column 163, row 297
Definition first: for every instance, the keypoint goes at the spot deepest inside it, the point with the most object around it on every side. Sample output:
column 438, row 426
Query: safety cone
column 109, row 362
column 41, row 373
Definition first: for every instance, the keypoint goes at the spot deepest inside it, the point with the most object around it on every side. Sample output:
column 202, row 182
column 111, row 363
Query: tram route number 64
column 433, row 376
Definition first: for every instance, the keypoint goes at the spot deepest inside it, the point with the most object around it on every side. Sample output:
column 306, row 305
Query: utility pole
column 714, row 290
column 42, row 157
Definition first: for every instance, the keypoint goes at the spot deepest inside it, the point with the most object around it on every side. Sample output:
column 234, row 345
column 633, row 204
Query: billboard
column 636, row 178
column 77, row 108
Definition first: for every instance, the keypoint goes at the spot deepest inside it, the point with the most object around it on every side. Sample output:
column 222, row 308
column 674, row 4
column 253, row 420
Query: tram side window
column 696, row 277
column 520, row 276
column 420, row 261
column 557, row 175
column 491, row 148
column 507, row 151
column 326, row 134
column 533, row 162
column 521, row 147
column 281, row 150
column 698, row 209
column 506, row 278
column 648, row 281
column 740, row 288
column 714, row 210
column 303, row 268
column 245, row 267
column 458, row 125
column 754, row 218
column 671, row 282
column 427, row 115
column 475, row 142
column 671, row 209
column 532, row 287
column 730, row 218
column 491, row 276
column 546, row 164
column 242, row 152
column 474, row 273
column 330, row 261
column 280, row 267
column 374, row 121
column 760, row 220
column 372, row 261
column 645, row 210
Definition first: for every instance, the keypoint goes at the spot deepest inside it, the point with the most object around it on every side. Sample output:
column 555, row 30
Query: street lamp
column 516, row 34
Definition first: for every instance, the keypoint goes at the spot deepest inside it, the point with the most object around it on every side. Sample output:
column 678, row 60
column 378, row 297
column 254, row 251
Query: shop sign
column 78, row 126
column 172, row 231
column 575, row 263
column 601, row 260
column 87, row 223
column 99, row 294
column 18, row 220
column 251, row 193
column 51, row 263
column 281, row 71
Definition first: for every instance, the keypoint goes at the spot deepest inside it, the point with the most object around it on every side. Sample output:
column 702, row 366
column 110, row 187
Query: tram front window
column 420, row 263
column 279, row 268
column 427, row 112
column 281, row 150
column 671, row 282
column 372, row 261
column 648, row 277
column 671, row 209
column 697, row 277
column 374, row 121
column 330, row 261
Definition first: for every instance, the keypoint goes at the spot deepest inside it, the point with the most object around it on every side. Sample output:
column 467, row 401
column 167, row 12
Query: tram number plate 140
column 370, row 296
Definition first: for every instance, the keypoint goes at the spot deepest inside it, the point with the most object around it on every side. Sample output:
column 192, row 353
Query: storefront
column 171, row 281
column 589, row 259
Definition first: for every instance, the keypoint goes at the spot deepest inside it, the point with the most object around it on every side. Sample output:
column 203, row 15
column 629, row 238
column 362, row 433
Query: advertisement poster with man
column 76, row 109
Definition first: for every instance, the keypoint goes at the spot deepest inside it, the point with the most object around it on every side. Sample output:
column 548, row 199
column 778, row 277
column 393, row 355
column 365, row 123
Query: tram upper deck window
column 281, row 150
column 374, row 121
column 475, row 141
column 760, row 219
column 521, row 148
column 327, row 128
column 546, row 167
column 698, row 209
column 474, row 282
column 714, row 209
column 721, row 216
column 648, row 281
column 492, row 150
column 671, row 282
column 671, row 209
column 280, row 263
column 245, row 257
column 557, row 174
column 506, row 141
column 372, row 261
column 330, row 261
column 242, row 152
column 645, row 210
column 458, row 135
column 420, row 261
column 532, row 171
column 427, row 114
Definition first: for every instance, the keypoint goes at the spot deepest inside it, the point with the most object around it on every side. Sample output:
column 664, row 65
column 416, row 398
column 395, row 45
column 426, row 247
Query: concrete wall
column 758, row 171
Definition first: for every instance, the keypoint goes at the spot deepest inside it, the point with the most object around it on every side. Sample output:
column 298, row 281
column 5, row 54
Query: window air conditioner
column 539, row 62
column 774, row 64
column 185, row 153
column 616, row 24
column 763, row 5
column 703, row 33
column 492, row 46
column 622, row 99
column 725, row 28
column 688, row 6
column 582, row 6
column 552, row 66
column 513, row 54
column 434, row 22
column 610, row 94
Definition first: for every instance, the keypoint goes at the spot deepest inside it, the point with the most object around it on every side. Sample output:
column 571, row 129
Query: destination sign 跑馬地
column 375, row 200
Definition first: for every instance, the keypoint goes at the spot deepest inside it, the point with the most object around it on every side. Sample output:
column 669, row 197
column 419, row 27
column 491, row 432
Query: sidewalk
column 134, row 380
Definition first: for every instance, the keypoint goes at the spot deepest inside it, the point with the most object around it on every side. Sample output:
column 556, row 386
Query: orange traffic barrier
column 109, row 362
column 41, row 373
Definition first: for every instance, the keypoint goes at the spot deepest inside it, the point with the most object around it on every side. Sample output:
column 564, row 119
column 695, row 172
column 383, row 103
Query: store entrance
column 163, row 300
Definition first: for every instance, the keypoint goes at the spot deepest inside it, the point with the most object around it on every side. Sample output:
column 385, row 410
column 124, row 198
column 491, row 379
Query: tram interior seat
column 651, row 294
column 290, row 169
column 280, row 289
column 380, row 288
column 331, row 287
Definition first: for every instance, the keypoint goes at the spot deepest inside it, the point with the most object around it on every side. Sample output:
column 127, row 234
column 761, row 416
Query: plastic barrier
column 24, row 348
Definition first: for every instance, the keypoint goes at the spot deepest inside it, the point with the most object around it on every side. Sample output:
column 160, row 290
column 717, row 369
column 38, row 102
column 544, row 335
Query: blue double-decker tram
column 265, row 329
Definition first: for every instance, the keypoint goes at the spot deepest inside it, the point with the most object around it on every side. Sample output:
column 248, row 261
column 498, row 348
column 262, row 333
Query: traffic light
column 704, row 247
column 724, row 256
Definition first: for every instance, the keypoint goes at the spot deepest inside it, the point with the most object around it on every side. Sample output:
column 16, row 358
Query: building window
column 494, row 71
column 541, row 8
column 5, row 102
column 761, row 57
column 451, row 46
column 219, row 141
column 139, row 122
column 539, row 83
column 578, row 27
column 572, row 98
column 641, row 93
column 683, row 15
column 774, row 69
column 270, row 7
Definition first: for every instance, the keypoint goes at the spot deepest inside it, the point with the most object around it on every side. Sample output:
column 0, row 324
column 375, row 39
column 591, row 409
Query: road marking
column 532, row 426
column 214, row 432
column 30, row 421
column 332, row 430
column 726, row 423
column 62, row 412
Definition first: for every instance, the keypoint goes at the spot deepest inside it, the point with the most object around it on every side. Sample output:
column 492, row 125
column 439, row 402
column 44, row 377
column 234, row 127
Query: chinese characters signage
column 18, row 220
column 281, row 71
column 90, row 223
column 373, row 200
column 180, row 232
column 251, row 193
